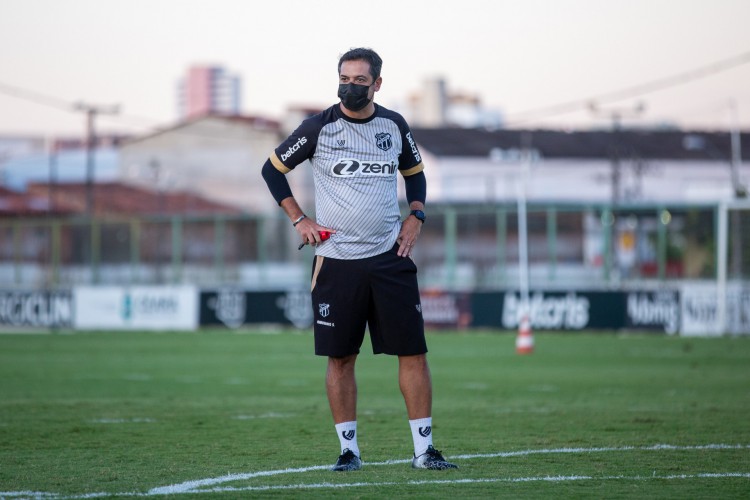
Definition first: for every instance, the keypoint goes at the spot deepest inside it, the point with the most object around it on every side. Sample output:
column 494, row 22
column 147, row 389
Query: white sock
column 347, row 432
column 421, row 433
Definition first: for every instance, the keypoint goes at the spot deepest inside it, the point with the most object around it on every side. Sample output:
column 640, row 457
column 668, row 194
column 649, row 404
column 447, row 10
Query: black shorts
column 380, row 292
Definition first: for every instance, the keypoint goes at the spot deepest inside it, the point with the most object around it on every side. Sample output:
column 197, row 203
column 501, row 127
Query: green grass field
column 234, row 415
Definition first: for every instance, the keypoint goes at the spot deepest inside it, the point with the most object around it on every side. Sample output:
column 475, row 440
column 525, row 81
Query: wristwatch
column 419, row 215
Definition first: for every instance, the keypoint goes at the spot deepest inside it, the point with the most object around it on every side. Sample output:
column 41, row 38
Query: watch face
column 418, row 214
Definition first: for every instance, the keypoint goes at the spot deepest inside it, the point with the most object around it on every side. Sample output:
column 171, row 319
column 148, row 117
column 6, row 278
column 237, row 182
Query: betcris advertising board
column 136, row 308
column 580, row 310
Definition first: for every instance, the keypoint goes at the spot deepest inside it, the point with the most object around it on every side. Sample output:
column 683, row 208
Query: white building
column 480, row 166
column 218, row 157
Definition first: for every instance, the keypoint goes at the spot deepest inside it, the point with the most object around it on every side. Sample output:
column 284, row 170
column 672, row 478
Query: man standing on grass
column 363, row 275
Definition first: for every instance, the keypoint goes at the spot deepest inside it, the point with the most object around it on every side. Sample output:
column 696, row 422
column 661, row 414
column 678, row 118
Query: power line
column 61, row 104
column 35, row 97
column 631, row 92
column 516, row 118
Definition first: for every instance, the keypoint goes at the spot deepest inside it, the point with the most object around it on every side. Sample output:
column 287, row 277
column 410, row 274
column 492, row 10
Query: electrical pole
column 740, row 191
column 616, row 115
column 91, row 113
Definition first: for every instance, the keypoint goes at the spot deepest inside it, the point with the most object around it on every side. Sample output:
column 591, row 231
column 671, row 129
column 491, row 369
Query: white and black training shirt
column 354, row 168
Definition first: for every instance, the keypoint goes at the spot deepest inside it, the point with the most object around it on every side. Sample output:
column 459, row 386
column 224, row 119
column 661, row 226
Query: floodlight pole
column 523, row 242
column 721, row 265
column 525, row 339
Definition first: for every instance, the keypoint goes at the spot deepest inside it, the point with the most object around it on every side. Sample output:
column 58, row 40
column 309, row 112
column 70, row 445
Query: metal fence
column 462, row 247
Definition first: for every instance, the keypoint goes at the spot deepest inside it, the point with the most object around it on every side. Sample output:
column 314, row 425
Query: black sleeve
column 276, row 182
column 416, row 187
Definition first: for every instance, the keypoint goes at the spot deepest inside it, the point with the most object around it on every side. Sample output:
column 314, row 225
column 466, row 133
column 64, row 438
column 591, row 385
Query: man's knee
column 413, row 361
column 342, row 364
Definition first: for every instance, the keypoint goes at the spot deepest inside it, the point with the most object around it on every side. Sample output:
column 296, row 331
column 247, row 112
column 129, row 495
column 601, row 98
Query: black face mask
column 354, row 97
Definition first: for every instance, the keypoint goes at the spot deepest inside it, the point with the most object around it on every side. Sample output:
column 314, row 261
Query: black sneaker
column 432, row 459
column 347, row 461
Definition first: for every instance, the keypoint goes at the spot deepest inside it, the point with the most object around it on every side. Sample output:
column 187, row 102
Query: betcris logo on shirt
column 348, row 167
column 294, row 148
column 413, row 145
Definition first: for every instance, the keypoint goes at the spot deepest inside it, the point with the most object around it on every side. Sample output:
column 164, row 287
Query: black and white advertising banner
column 738, row 311
column 700, row 310
column 659, row 310
column 445, row 309
column 136, row 308
column 44, row 309
column 579, row 310
column 233, row 308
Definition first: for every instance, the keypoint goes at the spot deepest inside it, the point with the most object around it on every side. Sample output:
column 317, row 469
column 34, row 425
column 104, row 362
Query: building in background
column 208, row 90
column 216, row 156
column 434, row 106
column 27, row 159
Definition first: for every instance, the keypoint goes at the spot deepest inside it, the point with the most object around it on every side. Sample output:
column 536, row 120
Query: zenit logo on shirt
column 348, row 167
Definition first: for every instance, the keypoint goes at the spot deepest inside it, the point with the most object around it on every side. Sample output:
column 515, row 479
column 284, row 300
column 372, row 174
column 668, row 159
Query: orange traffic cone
column 524, row 340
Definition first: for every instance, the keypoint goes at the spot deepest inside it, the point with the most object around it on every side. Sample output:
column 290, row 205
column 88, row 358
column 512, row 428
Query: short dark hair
column 365, row 54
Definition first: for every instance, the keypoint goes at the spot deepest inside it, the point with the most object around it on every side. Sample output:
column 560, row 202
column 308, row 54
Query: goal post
column 733, row 267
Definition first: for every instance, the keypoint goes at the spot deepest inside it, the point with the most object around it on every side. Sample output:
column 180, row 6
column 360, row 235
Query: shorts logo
column 348, row 435
column 384, row 141
column 419, row 307
column 324, row 309
column 349, row 167
column 425, row 431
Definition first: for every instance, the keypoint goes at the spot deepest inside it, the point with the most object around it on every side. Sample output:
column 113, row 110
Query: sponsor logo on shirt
column 348, row 167
column 294, row 148
column 414, row 149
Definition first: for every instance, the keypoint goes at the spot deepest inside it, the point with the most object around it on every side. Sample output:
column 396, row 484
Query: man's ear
column 378, row 82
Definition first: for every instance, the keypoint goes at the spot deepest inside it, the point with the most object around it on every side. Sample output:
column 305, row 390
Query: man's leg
column 416, row 386
column 341, row 386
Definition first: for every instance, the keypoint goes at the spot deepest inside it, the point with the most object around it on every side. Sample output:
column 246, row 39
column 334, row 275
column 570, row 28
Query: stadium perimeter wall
column 687, row 310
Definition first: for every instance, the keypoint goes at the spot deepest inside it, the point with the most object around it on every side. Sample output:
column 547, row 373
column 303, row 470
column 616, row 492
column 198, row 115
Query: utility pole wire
column 36, row 97
column 516, row 118
column 54, row 102
column 630, row 92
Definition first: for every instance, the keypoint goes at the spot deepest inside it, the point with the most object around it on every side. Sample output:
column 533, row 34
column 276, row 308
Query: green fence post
column 450, row 247
column 219, row 235
column 135, row 249
column 176, row 249
column 95, row 249
column 17, row 252
column 501, row 238
column 262, row 248
column 552, row 242
column 608, row 222
column 55, row 257
column 661, row 248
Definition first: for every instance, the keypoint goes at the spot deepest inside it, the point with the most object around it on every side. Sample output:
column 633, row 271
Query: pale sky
column 516, row 55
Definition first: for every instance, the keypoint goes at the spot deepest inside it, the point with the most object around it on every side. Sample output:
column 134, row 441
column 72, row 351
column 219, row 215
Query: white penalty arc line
column 209, row 485
column 192, row 485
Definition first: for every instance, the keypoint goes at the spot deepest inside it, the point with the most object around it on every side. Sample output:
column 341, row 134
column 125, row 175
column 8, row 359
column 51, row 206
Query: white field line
column 553, row 479
column 190, row 485
column 208, row 485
